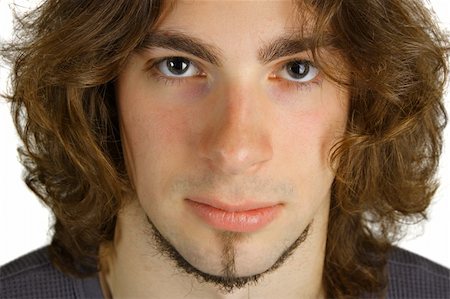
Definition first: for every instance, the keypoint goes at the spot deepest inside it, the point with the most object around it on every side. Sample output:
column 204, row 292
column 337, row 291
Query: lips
column 248, row 217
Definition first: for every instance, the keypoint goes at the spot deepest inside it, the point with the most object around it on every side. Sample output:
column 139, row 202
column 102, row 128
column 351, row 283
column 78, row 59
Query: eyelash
column 300, row 86
column 170, row 81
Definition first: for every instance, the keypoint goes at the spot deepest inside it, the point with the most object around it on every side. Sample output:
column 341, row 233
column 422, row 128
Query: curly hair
column 68, row 54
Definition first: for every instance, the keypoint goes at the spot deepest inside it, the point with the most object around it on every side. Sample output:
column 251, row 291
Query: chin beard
column 229, row 281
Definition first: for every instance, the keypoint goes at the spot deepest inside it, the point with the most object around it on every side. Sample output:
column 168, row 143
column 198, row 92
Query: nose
column 236, row 138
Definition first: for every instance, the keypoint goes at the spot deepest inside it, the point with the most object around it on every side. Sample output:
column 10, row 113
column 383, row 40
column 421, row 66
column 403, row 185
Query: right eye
column 177, row 67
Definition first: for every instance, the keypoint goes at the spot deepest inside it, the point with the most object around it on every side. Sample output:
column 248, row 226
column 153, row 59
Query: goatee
column 228, row 281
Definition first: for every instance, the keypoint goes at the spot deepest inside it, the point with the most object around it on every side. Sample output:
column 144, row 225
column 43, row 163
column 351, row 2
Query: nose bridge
column 236, row 139
column 238, row 112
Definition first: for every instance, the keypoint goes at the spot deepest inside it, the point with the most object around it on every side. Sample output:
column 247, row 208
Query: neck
column 133, row 267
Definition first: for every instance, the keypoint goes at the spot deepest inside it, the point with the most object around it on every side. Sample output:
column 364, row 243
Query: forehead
column 233, row 23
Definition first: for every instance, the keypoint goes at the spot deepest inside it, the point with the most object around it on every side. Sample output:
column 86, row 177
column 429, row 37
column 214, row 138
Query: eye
column 299, row 71
column 177, row 67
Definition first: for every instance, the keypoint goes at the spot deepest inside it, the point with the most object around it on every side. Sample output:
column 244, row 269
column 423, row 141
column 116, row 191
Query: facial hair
column 229, row 281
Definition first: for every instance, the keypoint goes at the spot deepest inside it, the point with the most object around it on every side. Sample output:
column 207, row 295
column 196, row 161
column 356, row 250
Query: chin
column 229, row 259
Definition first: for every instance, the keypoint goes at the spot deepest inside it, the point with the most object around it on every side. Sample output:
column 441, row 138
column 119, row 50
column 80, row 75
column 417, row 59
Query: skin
column 238, row 131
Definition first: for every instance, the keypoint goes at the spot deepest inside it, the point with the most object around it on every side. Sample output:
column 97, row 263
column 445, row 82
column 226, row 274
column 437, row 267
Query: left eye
column 299, row 71
column 177, row 67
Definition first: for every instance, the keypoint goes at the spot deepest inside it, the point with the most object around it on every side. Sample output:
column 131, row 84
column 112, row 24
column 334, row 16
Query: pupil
column 298, row 69
column 177, row 65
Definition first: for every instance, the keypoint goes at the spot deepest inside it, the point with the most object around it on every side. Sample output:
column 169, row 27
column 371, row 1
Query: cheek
column 154, row 152
column 304, row 147
column 310, row 131
column 154, row 134
column 150, row 122
column 152, row 137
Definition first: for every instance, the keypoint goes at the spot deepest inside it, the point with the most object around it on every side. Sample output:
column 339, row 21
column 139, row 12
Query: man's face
column 229, row 150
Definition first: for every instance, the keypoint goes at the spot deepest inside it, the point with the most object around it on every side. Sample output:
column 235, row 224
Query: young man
column 229, row 149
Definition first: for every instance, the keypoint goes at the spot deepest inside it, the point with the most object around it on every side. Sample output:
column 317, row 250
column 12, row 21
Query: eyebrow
column 179, row 41
column 283, row 46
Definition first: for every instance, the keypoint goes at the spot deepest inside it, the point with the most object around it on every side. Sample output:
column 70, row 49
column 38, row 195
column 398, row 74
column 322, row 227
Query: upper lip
column 242, row 205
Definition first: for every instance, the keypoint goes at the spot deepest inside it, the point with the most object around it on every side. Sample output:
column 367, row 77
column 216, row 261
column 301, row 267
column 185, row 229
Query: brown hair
column 66, row 59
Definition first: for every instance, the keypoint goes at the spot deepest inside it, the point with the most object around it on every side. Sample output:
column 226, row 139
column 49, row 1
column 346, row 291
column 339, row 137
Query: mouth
column 248, row 217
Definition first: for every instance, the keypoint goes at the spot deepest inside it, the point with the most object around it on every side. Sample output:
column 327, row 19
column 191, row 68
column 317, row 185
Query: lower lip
column 238, row 221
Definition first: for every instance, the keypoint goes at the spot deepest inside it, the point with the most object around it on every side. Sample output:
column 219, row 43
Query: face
column 227, row 134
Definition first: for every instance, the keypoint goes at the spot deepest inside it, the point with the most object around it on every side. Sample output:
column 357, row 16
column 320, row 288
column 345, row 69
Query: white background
column 24, row 222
